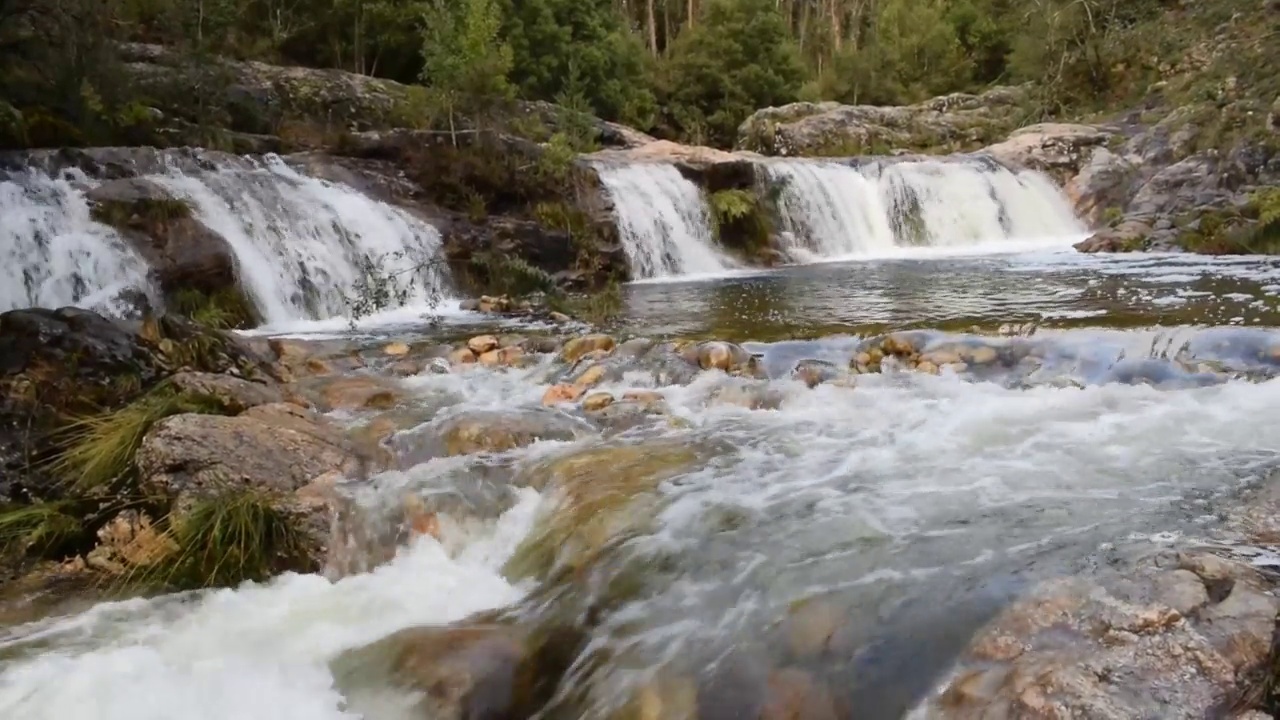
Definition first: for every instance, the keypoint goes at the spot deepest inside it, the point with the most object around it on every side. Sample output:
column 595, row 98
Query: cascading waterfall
column 301, row 243
column 54, row 254
column 663, row 222
column 833, row 209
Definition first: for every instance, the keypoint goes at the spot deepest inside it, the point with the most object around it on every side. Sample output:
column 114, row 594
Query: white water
column 300, row 242
column 663, row 222
column 836, row 211
column 255, row 653
column 869, row 491
column 52, row 254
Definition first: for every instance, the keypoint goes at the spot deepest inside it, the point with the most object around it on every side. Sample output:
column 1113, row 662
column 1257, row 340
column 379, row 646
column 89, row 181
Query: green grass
column 39, row 527
column 237, row 535
column 226, row 309
column 96, row 452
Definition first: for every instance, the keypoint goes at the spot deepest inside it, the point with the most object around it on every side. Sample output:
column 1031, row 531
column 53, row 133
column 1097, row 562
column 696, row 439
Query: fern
column 731, row 205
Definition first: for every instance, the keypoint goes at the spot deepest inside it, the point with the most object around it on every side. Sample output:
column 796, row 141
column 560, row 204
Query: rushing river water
column 918, row 503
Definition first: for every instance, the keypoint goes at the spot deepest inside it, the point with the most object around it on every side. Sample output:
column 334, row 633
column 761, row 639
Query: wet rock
column 578, row 347
column 396, row 349
column 793, row 694
column 505, row 357
column 482, row 344
column 540, row 344
column 351, row 392
column 277, row 447
column 635, row 347
column 812, row 626
column 597, row 401
column 562, row 393
column 600, row 492
column 183, row 253
column 1118, row 647
column 667, row 696
column 724, row 356
column 1128, row 236
column 233, row 394
column 749, row 394
column 559, row 318
column 590, row 377
column 814, row 372
column 490, row 431
column 467, row 672
column 461, row 356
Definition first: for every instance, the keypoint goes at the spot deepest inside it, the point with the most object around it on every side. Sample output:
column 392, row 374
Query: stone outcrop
column 56, row 364
column 1173, row 639
column 951, row 123
column 182, row 252
column 278, row 446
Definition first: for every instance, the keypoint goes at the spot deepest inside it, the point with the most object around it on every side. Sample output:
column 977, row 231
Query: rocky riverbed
column 539, row 518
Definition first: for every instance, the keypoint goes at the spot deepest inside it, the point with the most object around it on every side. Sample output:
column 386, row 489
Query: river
column 920, row 503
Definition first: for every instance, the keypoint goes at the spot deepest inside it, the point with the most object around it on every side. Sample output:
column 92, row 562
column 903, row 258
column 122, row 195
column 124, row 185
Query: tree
column 465, row 65
column 555, row 42
column 735, row 59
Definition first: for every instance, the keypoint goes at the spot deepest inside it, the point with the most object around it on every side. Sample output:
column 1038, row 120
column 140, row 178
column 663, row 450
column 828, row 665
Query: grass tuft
column 238, row 535
column 39, row 527
column 225, row 309
column 97, row 451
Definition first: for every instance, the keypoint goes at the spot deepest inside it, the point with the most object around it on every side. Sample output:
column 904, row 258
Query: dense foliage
column 691, row 69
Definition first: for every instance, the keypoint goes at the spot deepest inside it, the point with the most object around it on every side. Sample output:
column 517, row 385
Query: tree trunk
column 653, row 28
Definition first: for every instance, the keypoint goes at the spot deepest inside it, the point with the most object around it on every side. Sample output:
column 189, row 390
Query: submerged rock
column 491, row 431
column 576, row 348
column 466, row 672
column 600, row 493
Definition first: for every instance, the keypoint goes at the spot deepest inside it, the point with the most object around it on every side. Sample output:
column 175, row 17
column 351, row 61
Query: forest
column 683, row 69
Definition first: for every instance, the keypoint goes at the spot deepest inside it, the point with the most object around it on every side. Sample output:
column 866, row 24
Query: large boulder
column 184, row 254
column 1055, row 148
column 950, row 123
column 1170, row 640
column 275, row 447
column 67, row 363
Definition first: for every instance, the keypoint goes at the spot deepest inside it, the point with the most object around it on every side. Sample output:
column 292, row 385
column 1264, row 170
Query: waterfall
column 301, row 243
column 53, row 254
column 663, row 222
column 833, row 209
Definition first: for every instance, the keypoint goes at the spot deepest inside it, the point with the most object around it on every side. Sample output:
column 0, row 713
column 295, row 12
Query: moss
column 1112, row 216
column 140, row 213
column 742, row 220
column 13, row 128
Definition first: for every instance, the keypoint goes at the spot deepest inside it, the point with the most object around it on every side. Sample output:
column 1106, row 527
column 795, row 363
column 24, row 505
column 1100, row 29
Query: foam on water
column 841, row 210
column 663, row 221
column 53, row 254
column 301, row 243
column 259, row 652
column 873, row 491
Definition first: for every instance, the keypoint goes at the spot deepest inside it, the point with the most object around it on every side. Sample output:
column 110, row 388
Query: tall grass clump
column 235, row 535
column 96, row 452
